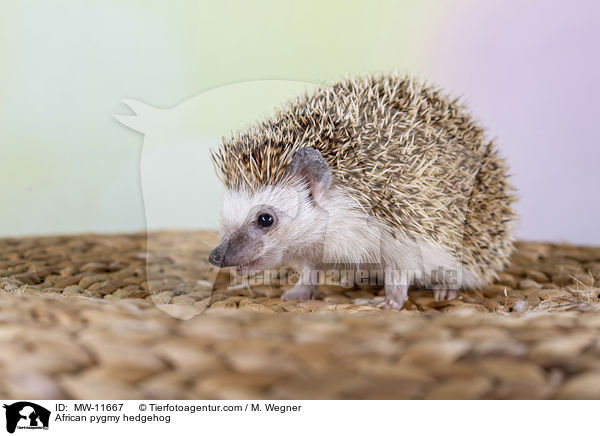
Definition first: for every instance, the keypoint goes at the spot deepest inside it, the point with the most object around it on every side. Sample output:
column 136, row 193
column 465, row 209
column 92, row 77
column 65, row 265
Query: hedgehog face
column 271, row 224
column 262, row 228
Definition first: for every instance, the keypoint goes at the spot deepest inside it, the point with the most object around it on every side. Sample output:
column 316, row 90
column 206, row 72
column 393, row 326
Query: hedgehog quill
column 378, row 169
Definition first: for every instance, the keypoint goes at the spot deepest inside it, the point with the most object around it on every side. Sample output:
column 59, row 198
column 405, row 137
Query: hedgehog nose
column 216, row 256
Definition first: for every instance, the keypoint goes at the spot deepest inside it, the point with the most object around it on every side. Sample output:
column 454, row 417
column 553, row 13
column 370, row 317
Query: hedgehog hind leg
column 443, row 294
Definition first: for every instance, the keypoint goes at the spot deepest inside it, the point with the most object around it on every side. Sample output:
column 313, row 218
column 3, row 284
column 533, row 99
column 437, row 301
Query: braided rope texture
column 86, row 317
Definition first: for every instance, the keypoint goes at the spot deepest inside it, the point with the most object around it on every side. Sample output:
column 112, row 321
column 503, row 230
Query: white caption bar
column 41, row 418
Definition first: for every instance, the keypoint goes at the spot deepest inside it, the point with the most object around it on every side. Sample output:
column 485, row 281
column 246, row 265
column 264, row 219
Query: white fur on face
column 240, row 205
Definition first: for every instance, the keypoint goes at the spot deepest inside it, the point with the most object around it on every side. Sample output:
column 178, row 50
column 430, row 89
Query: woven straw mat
column 145, row 317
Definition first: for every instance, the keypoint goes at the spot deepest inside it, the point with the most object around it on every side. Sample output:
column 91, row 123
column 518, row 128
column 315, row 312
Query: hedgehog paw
column 395, row 296
column 391, row 304
column 444, row 294
column 300, row 292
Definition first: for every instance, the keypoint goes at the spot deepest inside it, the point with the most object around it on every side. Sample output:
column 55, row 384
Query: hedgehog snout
column 239, row 249
column 217, row 255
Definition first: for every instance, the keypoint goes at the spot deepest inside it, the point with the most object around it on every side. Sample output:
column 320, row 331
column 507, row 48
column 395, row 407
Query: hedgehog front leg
column 395, row 296
column 304, row 289
column 301, row 292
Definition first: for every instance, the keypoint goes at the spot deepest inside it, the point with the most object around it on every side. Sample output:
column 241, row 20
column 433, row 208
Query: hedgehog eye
column 265, row 220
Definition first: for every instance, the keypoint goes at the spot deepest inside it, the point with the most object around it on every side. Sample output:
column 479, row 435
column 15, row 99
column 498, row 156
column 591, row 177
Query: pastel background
column 528, row 69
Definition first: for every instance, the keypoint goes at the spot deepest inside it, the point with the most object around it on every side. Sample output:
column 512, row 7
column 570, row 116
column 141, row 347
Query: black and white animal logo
column 26, row 415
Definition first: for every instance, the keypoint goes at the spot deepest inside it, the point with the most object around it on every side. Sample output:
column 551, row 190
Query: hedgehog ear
column 309, row 164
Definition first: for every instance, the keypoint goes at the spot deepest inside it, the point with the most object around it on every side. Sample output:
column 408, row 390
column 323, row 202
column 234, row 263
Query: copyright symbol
column 142, row 407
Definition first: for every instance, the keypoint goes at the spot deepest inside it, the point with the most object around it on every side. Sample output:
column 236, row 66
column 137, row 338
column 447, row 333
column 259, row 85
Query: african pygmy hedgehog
column 380, row 169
